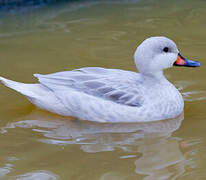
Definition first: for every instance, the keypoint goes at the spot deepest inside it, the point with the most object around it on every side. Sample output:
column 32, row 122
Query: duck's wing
column 112, row 84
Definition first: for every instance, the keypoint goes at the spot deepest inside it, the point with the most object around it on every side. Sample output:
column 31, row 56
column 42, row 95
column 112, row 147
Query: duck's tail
column 38, row 94
column 25, row 89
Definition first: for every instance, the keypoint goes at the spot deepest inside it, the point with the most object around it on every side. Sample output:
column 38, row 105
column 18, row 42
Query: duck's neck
column 158, row 75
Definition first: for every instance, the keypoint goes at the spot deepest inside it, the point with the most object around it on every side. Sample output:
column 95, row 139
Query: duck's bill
column 181, row 61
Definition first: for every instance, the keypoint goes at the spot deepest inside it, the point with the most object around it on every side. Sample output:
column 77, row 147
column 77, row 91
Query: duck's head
column 155, row 54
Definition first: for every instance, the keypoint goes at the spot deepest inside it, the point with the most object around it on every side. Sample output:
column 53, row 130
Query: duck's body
column 103, row 95
column 107, row 95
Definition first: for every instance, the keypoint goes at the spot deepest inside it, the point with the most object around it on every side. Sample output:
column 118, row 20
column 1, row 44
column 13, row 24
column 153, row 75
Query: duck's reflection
column 157, row 154
column 161, row 159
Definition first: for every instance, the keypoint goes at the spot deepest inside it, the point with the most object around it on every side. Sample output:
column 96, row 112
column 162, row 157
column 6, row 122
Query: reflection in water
column 5, row 170
column 38, row 175
column 161, row 159
column 156, row 153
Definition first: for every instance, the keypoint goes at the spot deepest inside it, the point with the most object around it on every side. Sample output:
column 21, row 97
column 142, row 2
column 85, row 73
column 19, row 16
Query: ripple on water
column 196, row 95
column 35, row 175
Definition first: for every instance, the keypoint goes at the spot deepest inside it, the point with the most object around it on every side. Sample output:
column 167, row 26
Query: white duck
column 113, row 95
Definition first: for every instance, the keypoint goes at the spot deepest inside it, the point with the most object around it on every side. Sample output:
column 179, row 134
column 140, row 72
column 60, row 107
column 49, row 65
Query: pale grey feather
column 115, row 85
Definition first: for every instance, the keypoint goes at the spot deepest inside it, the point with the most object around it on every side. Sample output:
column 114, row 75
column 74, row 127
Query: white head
column 155, row 54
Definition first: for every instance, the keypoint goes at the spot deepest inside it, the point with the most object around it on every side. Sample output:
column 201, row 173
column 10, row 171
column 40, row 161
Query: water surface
column 39, row 145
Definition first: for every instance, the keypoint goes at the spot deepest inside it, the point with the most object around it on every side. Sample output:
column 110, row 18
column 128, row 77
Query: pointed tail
column 25, row 89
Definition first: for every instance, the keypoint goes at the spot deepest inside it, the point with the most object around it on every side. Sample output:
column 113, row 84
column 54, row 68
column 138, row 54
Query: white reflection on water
column 38, row 175
column 155, row 152
column 6, row 169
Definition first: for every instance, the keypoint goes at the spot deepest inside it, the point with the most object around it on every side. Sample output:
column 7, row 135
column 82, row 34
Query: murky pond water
column 38, row 145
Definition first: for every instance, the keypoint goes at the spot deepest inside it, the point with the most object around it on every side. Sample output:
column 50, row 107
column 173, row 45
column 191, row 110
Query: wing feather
column 116, row 85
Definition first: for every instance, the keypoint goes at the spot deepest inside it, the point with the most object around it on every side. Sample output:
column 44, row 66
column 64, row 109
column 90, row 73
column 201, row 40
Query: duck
column 112, row 95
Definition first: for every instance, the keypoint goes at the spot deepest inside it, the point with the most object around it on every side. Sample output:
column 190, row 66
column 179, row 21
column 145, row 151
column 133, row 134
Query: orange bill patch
column 180, row 60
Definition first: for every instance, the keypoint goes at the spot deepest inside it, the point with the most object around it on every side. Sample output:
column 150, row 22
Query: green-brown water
column 38, row 145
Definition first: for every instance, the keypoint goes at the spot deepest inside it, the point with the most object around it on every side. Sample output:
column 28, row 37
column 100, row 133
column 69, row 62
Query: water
column 39, row 145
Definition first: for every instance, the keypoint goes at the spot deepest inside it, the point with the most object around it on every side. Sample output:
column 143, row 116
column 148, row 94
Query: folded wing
column 111, row 84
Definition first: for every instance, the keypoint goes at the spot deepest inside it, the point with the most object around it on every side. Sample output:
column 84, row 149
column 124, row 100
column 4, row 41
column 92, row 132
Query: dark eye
column 166, row 49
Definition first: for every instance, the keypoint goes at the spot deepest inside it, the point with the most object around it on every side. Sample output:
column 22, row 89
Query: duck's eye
column 166, row 49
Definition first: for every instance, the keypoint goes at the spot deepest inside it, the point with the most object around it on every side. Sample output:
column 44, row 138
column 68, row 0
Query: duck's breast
column 164, row 101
